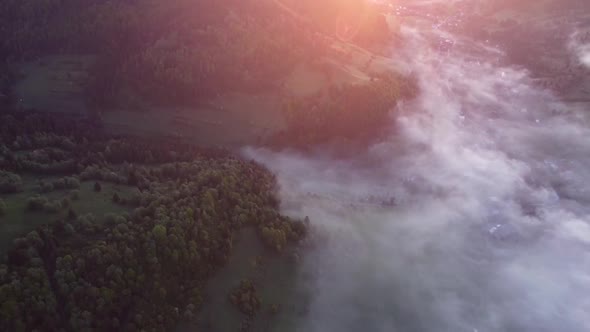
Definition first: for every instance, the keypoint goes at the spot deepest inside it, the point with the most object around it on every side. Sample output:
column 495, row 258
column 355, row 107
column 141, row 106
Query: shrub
column 45, row 187
column 67, row 182
column 159, row 232
column 67, row 144
column 9, row 182
column 113, row 219
column 52, row 207
column 59, row 184
column 86, row 220
column 245, row 298
column 71, row 182
column 91, row 172
column 36, row 203
column 274, row 238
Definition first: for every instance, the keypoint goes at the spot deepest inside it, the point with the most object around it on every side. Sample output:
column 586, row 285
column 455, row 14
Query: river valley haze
column 474, row 213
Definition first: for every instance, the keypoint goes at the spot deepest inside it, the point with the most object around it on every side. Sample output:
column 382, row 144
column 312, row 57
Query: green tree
column 9, row 182
column 159, row 232
column 36, row 203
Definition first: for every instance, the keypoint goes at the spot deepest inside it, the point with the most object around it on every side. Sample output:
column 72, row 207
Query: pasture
column 18, row 220
column 273, row 275
column 54, row 83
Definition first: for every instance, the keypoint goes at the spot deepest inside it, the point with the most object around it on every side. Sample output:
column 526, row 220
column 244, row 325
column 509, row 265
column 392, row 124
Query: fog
column 474, row 214
column 579, row 45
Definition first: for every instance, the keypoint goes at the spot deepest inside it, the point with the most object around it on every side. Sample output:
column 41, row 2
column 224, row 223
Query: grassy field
column 273, row 275
column 230, row 120
column 54, row 83
column 18, row 221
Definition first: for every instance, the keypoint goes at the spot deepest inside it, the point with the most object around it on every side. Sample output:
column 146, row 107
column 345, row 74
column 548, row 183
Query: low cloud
column 473, row 216
column 579, row 45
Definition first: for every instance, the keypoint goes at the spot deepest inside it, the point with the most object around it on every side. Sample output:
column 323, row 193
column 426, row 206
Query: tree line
column 348, row 113
column 173, row 52
column 140, row 270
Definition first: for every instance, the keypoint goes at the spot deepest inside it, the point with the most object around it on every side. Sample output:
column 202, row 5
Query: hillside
column 123, row 205
column 187, row 69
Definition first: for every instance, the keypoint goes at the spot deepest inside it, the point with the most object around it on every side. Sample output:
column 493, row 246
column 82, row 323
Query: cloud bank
column 474, row 215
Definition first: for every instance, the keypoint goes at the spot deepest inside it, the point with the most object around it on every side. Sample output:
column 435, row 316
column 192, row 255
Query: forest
column 117, row 232
column 335, row 116
column 184, row 53
column 141, row 269
column 177, row 52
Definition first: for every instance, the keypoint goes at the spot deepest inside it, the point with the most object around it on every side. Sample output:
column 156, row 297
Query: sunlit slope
column 229, row 115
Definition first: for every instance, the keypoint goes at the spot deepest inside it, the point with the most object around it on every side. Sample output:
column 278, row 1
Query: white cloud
column 490, row 231
column 579, row 45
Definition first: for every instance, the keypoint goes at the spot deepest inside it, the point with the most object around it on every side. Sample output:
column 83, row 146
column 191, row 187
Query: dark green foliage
column 41, row 203
column 244, row 297
column 67, row 182
column 45, row 187
column 36, row 203
column 9, row 182
column 159, row 232
column 175, row 52
column 274, row 238
column 277, row 234
column 353, row 113
column 52, row 206
column 111, row 219
column 91, row 148
column 143, row 270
